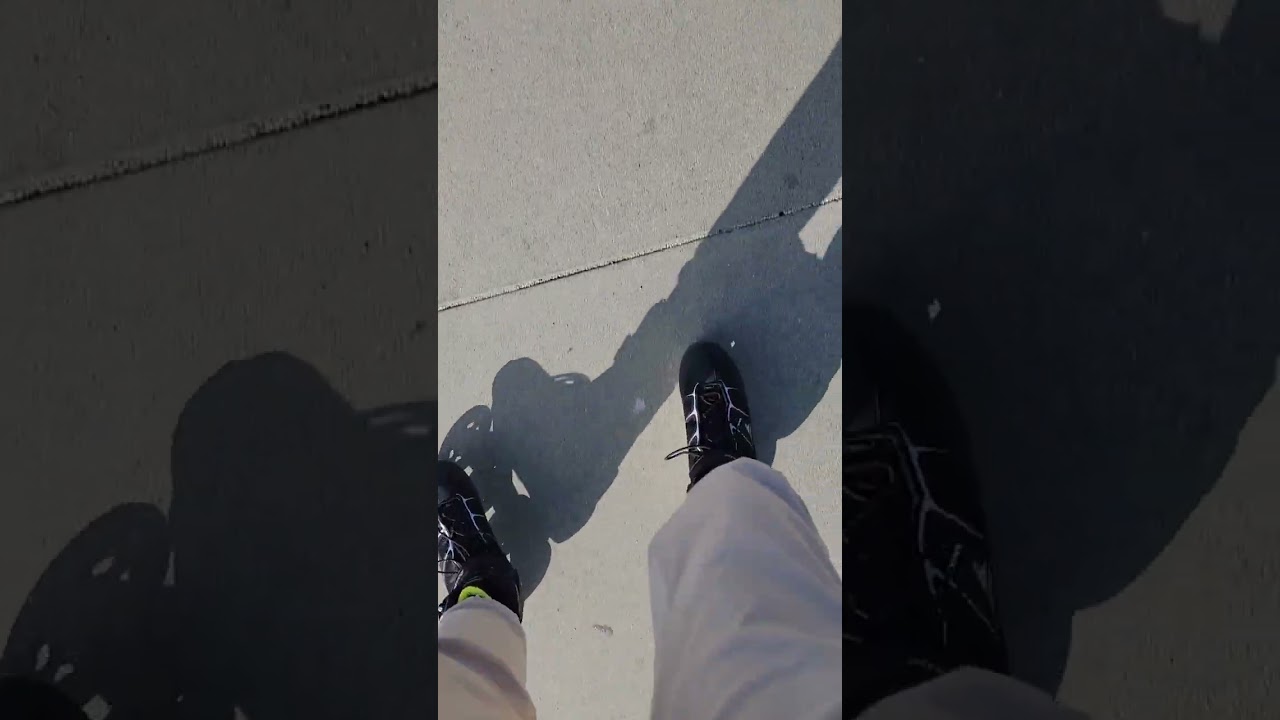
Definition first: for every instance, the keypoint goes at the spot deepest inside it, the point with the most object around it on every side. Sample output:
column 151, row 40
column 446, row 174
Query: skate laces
column 704, row 397
column 698, row 450
column 708, row 400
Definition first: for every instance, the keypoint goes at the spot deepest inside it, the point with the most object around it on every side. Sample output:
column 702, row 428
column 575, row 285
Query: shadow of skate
column 773, row 304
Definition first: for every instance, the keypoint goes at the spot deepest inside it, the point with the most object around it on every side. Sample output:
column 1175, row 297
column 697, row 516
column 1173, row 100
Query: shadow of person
column 96, row 625
column 302, row 537
column 299, row 541
column 1081, row 192
column 757, row 291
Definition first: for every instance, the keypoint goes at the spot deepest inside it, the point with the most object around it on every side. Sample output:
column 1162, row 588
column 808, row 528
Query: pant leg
column 481, row 648
column 970, row 694
column 746, row 604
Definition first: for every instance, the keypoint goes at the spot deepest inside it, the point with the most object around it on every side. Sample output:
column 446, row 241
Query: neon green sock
column 471, row 591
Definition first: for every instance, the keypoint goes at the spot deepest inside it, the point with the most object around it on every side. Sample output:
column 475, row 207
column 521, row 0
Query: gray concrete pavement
column 1079, row 230
column 597, row 130
column 287, row 592
column 1077, row 241
column 85, row 83
column 572, row 142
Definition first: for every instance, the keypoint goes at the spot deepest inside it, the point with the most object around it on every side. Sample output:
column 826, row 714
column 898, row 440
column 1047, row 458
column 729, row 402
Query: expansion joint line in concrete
column 194, row 144
column 517, row 287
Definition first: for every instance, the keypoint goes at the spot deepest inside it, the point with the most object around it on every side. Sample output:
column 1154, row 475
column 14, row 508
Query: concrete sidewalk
column 90, row 90
column 218, row 355
column 217, row 244
column 1024, row 201
column 617, row 182
column 119, row 302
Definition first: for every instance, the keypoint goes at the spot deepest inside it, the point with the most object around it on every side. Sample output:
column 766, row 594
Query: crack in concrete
column 195, row 144
column 679, row 242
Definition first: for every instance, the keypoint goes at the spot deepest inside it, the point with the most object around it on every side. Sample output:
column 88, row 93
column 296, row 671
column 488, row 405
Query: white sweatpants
column 746, row 624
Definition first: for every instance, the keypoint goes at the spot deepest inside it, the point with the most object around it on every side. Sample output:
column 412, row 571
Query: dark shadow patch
column 301, row 539
column 1086, row 190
